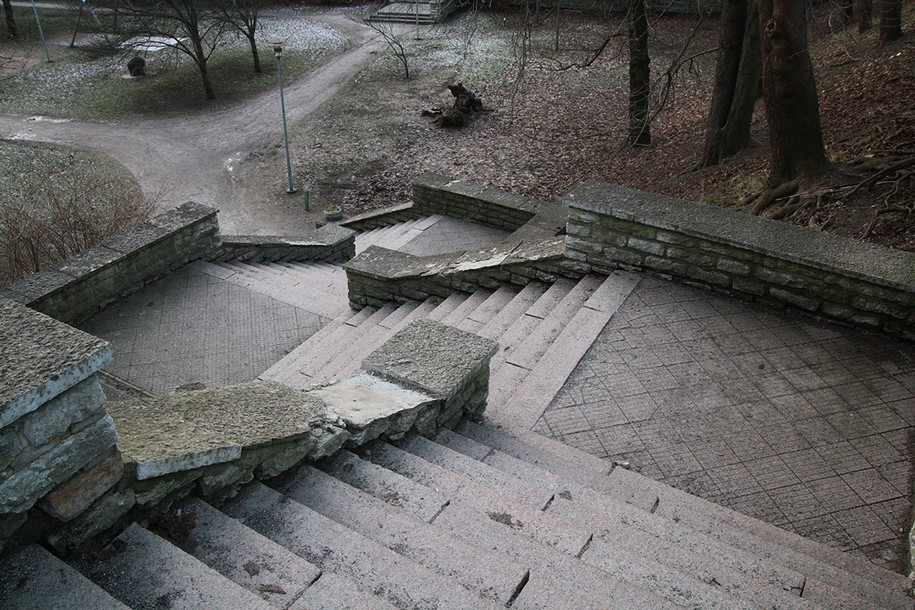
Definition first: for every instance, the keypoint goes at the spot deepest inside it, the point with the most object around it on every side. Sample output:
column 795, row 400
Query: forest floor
column 549, row 123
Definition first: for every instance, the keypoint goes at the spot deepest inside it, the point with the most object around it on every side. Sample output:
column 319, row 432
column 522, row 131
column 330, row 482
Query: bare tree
column 890, row 20
column 11, row 30
column 186, row 26
column 736, row 82
column 388, row 31
column 639, row 75
column 242, row 15
column 797, row 158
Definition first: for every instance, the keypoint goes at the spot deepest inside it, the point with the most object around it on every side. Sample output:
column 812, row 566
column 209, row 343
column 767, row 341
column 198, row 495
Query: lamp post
column 278, row 52
column 44, row 44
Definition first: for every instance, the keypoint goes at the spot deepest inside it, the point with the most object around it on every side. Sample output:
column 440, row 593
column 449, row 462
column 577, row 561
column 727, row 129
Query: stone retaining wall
column 331, row 243
column 385, row 217
column 57, row 442
column 378, row 276
column 466, row 200
column 613, row 227
column 78, row 287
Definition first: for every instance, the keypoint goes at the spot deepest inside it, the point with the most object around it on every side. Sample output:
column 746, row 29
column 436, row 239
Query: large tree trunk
column 864, row 9
column 789, row 91
column 890, row 20
column 255, row 55
column 639, row 75
column 201, row 61
column 11, row 30
column 730, row 46
column 736, row 134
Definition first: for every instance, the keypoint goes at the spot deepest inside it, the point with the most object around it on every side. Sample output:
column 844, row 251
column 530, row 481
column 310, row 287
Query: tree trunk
column 254, row 55
column 846, row 11
column 11, row 30
column 789, row 91
column 890, row 20
column 864, row 8
column 730, row 45
column 201, row 61
column 639, row 75
column 736, row 135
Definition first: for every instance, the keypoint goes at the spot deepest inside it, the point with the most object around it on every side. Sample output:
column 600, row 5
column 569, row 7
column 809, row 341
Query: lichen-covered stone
column 193, row 429
column 432, row 357
column 40, row 358
column 23, row 488
column 77, row 494
column 83, row 402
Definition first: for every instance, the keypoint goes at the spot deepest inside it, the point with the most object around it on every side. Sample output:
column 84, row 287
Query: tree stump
column 465, row 104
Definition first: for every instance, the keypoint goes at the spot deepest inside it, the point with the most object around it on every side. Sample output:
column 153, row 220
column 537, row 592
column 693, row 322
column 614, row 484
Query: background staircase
column 475, row 518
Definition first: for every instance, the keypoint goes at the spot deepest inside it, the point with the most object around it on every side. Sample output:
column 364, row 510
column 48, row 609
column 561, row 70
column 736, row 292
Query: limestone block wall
column 79, row 286
column 466, row 200
column 57, row 443
column 63, row 479
column 330, row 243
column 379, row 276
column 375, row 219
column 613, row 227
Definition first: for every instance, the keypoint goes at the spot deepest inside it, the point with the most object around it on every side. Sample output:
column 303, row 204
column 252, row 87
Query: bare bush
column 53, row 206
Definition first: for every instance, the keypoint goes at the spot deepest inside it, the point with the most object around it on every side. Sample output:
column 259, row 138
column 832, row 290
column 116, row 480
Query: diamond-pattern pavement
column 804, row 424
column 453, row 235
column 191, row 327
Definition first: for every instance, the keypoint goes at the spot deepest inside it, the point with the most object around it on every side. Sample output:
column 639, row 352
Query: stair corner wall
column 329, row 244
column 828, row 275
column 76, row 288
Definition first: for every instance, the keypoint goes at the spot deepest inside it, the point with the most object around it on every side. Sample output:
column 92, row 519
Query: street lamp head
column 277, row 46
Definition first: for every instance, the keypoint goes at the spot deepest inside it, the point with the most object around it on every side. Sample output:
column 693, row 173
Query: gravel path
column 199, row 158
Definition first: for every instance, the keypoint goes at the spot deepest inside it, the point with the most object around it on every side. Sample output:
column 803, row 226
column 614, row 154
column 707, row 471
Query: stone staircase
column 543, row 331
column 475, row 518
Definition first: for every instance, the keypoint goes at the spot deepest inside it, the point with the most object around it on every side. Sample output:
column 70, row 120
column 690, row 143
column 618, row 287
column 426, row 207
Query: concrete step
column 490, row 574
column 830, row 566
column 313, row 362
column 332, row 592
column 447, row 306
column 245, row 557
column 288, row 370
column 351, row 353
column 626, row 525
column 302, row 296
column 554, row 349
column 32, row 578
column 495, row 303
column 336, row 548
column 467, row 306
column 145, row 571
column 499, row 323
column 489, row 520
column 404, row 315
column 489, row 503
column 302, row 280
column 384, row 236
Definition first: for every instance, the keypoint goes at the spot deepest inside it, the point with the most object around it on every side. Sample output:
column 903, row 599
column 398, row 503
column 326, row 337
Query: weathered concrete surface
column 40, row 358
column 371, row 406
column 431, row 356
column 191, row 429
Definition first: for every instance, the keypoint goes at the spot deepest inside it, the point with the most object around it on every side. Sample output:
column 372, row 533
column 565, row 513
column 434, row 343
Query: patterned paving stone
column 804, row 424
column 192, row 327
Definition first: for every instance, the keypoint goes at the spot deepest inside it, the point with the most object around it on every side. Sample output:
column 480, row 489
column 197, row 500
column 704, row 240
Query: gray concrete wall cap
column 41, row 357
column 360, row 219
column 214, row 422
column 135, row 238
column 862, row 260
column 364, row 399
column 40, row 284
column 181, row 216
column 88, row 261
column 430, row 356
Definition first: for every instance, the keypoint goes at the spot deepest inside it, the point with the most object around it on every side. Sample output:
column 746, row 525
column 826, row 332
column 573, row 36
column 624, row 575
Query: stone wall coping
column 188, row 430
column 831, row 253
column 431, row 356
column 357, row 221
column 328, row 235
column 41, row 357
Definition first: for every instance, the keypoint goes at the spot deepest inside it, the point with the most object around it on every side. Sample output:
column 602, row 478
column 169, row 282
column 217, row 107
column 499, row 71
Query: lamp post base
column 292, row 191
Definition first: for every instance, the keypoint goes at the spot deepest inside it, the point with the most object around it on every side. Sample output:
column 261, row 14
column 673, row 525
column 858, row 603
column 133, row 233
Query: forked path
column 195, row 158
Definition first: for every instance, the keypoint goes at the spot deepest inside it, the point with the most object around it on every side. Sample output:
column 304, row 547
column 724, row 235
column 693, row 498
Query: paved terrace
column 806, row 425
